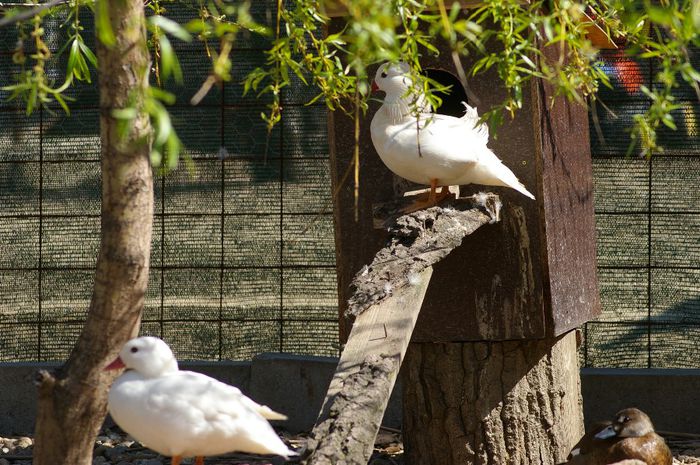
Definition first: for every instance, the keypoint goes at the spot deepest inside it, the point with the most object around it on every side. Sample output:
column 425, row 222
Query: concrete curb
column 296, row 385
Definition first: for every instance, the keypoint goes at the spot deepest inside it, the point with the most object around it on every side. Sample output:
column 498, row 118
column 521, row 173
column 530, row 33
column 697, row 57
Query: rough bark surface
column 347, row 435
column 511, row 402
column 418, row 240
column 72, row 400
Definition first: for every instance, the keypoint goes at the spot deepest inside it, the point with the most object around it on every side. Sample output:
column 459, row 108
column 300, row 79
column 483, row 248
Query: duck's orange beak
column 115, row 365
column 375, row 87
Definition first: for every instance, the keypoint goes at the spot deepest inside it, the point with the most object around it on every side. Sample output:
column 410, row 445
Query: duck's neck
column 171, row 367
column 399, row 108
column 154, row 372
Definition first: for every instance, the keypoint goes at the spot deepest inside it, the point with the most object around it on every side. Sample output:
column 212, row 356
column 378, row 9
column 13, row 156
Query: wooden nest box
column 530, row 276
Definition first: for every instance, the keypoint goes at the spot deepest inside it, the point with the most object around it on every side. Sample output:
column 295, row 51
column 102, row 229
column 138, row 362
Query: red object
column 115, row 365
column 599, row 39
column 375, row 87
column 629, row 74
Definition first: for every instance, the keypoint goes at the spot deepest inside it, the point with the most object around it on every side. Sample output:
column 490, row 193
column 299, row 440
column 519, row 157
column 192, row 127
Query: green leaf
column 668, row 121
column 695, row 15
column 61, row 101
column 197, row 26
column 528, row 61
column 125, row 114
column 163, row 126
column 689, row 73
column 171, row 27
column 104, row 26
column 72, row 57
column 663, row 16
column 88, row 54
column 162, row 95
column 168, row 60
column 427, row 45
column 77, row 66
column 156, row 158
column 173, row 147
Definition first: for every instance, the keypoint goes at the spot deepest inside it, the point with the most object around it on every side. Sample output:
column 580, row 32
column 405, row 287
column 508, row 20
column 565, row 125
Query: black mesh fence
column 243, row 252
column 243, row 246
column 648, row 222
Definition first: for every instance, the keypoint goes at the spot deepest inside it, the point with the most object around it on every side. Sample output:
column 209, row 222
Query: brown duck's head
column 628, row 423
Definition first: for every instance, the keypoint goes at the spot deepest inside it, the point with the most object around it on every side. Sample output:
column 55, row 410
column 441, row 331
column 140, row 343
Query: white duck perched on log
column 183, row 413
column 429, row 148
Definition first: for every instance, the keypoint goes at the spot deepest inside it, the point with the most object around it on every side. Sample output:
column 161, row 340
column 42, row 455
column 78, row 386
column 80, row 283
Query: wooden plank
column 359, row 392
column 418, row 240
column 565, row 167
column 383, row 329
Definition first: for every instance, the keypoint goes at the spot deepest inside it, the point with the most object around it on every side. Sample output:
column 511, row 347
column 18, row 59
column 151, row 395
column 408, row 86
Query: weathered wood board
column 359, row 391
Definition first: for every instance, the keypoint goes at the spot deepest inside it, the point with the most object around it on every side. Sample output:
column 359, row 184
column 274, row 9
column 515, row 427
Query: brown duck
column 629, row 436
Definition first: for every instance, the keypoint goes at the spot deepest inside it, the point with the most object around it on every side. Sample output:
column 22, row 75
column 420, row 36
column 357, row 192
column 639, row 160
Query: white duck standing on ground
column 432, row 149
column 183, row 413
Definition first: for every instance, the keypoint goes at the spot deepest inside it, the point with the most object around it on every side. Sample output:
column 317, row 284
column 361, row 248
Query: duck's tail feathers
column 290, row 454
column 509, row 179
column 518, row 186
column 270, row 414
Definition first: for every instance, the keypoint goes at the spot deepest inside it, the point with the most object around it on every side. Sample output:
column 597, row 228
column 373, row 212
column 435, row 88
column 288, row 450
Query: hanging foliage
column 336, row 65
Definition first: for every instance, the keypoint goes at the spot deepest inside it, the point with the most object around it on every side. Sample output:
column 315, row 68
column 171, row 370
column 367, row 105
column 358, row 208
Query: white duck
column 432, row 149
column 183, row 413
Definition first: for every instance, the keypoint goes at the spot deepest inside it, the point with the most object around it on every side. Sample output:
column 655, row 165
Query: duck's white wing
column 205, row 393
column 471, row 120
column 216, row 410
column 457, row 150
column 448, row 138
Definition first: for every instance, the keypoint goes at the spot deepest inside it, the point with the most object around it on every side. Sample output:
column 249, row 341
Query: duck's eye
column 134, row 350
column 384, row 74
column 626, row 419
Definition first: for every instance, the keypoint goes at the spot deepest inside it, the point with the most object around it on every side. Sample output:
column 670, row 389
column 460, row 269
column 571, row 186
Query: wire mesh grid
column 648, row 218
column 242, row 254
column 242, row 257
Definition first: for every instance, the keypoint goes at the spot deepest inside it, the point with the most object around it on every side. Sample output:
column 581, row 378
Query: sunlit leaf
column 171, row 27
column 168, row 59
column 125, row 113
column 88, row 54
column 162, row 95
column 104, row 26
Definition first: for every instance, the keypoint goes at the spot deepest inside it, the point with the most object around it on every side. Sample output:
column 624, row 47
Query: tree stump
column 505, row 402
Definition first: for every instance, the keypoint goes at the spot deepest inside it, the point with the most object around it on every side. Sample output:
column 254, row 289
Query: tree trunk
column 510, row 402
column 72, row 401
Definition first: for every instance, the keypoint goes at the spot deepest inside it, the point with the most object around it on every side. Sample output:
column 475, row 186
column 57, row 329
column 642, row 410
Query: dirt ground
column 113, row 448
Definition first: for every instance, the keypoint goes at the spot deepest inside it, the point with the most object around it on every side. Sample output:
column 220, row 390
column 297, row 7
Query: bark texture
column 72, row 400
column 511, row 402
column 347, row 435
column 417, row 240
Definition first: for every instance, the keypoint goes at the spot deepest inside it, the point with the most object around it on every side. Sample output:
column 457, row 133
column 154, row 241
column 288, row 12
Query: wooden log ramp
column 387, row 298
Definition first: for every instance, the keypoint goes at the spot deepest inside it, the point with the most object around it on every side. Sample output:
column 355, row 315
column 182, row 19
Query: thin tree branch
column 26, row 14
